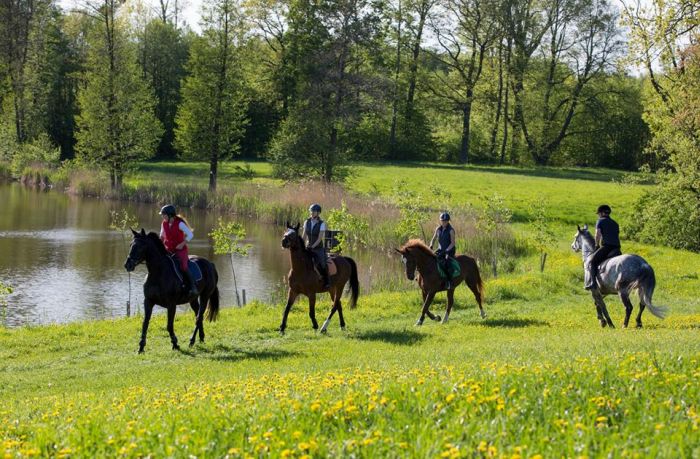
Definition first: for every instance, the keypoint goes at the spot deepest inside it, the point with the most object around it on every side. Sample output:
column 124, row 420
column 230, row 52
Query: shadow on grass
column 225, row 353
column 514, row 323
column 398, row 337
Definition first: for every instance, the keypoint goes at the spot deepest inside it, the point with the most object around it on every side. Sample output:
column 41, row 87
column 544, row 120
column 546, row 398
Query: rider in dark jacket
column 314, row 234
column 607, row 240
column 445, row 236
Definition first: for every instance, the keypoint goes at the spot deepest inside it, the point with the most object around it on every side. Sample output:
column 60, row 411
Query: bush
column 40, row 154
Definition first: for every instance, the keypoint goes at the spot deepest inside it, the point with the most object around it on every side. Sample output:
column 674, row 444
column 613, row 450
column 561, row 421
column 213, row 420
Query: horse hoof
column 639, row 325
column 281, row 330
column 176, row 347
column 483, row 315
column 611, row 325
column 438, row 318
column 342, row 328
column 141, row 351
column 323, row 331
column 444, row 321
column 191, row 343
column 419, row 323
column 603, row 324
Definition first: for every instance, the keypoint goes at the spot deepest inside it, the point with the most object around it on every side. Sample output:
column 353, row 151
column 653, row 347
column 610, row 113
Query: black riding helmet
column 315, row 208
column 168, row 210
column 444, row 217
column 604, row 209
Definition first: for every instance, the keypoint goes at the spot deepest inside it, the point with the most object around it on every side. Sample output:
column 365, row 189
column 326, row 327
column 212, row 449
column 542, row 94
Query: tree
column 163, row 55
column 211, row 119
column 331, row 44
column 466, row 31
column 117, row 125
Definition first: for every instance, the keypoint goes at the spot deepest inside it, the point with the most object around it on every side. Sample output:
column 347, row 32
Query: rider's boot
column 324, row 276
column 193, row 284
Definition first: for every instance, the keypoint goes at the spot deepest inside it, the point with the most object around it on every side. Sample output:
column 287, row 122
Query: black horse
column 163, row 286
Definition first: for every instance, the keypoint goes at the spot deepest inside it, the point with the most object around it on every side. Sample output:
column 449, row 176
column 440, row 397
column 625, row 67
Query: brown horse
column 304, row 280
column 415, row 255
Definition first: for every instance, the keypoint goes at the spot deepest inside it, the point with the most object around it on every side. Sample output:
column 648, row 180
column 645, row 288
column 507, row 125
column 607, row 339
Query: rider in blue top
column 445, row 235
column 607, row 239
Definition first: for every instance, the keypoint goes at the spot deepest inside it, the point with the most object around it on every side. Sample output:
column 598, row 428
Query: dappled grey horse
column 620, row 275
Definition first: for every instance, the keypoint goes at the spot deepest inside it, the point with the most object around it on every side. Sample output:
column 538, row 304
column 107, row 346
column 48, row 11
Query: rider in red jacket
column 175, row 233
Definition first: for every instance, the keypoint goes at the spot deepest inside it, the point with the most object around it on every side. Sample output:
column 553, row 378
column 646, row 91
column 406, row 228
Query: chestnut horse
column 417, row 256
column 304, row 280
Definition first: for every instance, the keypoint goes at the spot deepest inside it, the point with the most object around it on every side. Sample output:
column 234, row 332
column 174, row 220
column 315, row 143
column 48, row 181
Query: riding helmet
column 315, row 208
column 604, row 209
column 168, row 210
column 444, row 217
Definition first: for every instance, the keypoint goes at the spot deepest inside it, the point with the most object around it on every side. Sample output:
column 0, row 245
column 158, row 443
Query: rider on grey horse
column 314, row 234
column 607, row 240
column 445, row 235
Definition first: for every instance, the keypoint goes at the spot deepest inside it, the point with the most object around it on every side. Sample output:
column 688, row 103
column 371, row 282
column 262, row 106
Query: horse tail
column 354, row 283
column 645, row 285
column 213, row 306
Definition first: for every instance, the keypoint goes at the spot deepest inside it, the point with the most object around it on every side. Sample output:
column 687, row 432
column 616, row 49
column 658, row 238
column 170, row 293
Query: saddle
column 191, row 266
column 332, row 268
column 604, row 264
column 455, row 269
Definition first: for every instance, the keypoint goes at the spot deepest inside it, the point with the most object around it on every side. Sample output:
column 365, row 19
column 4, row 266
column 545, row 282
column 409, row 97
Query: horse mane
column 155, row 238
column 420, row 245
column 588, row 237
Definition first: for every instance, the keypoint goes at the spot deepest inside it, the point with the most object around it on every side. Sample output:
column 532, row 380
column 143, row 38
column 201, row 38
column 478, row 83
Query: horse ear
column 143, row 232
column 399, row 251
column 296, row 228
column 133, row 232
column 288, row 225
column 579, row 228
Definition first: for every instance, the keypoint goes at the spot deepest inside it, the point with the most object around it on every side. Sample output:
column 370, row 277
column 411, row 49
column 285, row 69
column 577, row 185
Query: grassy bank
column 538, row 377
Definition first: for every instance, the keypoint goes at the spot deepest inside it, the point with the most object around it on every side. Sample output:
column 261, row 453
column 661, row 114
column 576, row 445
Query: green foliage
column 38, row 153
column 670, row 213
column 122, row 220
column 228, row 237
column 542, row 235
column 410, row 204
column 492, row 220
column 353, row 229
column 117, row 125
column 4, row 291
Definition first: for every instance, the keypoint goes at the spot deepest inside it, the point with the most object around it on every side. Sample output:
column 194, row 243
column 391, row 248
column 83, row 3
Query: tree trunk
column 395, row 107
column 499, row 104
column 466, row 120
column 213, row 168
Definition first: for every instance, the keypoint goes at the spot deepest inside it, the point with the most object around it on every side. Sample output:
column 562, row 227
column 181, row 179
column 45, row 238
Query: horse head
column 409, row 262
column 138, row 250
column 581, row 238
column 291, row 238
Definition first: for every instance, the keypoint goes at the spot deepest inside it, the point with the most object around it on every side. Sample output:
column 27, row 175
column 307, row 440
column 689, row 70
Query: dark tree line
column 313, row 85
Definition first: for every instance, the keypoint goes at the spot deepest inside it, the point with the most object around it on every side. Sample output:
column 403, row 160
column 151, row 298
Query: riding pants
column 183, row 256
column 599, row 256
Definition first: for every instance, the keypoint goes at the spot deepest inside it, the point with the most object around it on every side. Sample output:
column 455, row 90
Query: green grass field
column 537, row 378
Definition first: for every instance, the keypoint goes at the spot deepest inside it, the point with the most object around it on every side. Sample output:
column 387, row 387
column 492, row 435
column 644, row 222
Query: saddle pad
column 604, row 264
column 456, row 270
column 331, row 266
column 191, row 266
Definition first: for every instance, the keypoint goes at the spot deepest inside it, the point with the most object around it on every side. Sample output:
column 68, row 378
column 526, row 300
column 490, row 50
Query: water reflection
column 64, row 264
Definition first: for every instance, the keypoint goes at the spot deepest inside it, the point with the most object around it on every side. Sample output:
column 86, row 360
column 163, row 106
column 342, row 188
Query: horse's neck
column 424, row 263
column 586, row 250
column 155, row 261
column 298, row 257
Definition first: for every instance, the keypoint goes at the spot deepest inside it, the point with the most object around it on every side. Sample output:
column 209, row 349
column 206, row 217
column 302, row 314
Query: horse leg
column 147, row 311
column 604, row 310
column 336, row 303
column 625, row 297
column 340, row 315
column 475, row 291
column 450, row 302
column 639, row 316
column 599, row 307
column 197, row 306
column 291, row 297
column 171, row 330
column 426, row 305
column 203, row 301
column 312, row 311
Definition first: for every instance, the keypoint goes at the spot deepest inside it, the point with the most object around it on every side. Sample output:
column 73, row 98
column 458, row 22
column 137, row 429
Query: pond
column 65, row 264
